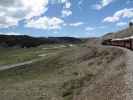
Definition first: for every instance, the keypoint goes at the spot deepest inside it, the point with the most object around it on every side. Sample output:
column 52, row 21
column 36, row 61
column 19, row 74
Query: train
column 121, row 42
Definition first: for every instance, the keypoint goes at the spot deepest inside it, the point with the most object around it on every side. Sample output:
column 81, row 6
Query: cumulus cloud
column 102, row 4
column 45, row 23
column 124, row 13
column 7, row 21
column 13, row 11
column 76, row 24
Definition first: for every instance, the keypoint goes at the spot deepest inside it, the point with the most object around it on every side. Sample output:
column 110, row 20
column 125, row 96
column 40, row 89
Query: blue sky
column 78, row 18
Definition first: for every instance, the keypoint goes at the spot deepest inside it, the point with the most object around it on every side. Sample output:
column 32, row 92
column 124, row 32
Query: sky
column 57, row 18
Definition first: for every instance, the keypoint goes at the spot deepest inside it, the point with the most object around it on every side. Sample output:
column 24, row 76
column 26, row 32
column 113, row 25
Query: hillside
column 75, row 73
column 120, row 34
column 28, row 41
column 87, row 71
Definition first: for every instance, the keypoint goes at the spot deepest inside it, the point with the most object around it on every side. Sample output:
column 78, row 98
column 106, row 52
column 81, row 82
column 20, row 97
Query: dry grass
column 79, row 73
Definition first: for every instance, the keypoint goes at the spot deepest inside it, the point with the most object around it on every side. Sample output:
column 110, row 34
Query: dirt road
column 129, row 75
column 129, row 71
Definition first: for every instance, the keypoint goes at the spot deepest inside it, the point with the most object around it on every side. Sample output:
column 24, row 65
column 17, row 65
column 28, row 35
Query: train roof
column 126, row 38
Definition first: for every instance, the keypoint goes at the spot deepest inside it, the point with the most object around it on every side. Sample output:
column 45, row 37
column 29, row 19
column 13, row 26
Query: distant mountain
column 120, row 34
column 28, row 41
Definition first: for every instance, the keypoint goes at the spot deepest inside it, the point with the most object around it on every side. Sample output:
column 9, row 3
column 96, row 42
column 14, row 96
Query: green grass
column 12, row 55
column 17, row 55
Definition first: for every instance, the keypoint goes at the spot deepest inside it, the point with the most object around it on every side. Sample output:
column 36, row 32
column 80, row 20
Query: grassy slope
column 72, row 74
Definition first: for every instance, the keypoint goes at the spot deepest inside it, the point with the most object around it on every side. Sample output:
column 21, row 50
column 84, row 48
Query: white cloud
column 13, row 11
column 97, row 7
column 10, row 33
column 67, row 5
column 124, row 13
column 66, row 9
column 111, row 19
column 120, row 24
column 45, row 23
column 106, row 2
column 76, row 24
column 66, row 13
column 7, row 21
column 55, row 23
column 89, row 28
column 57, row 1
column 65, row 24
column 102, row 4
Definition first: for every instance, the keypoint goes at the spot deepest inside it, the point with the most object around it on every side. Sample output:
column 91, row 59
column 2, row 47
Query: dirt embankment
column 107, row 83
